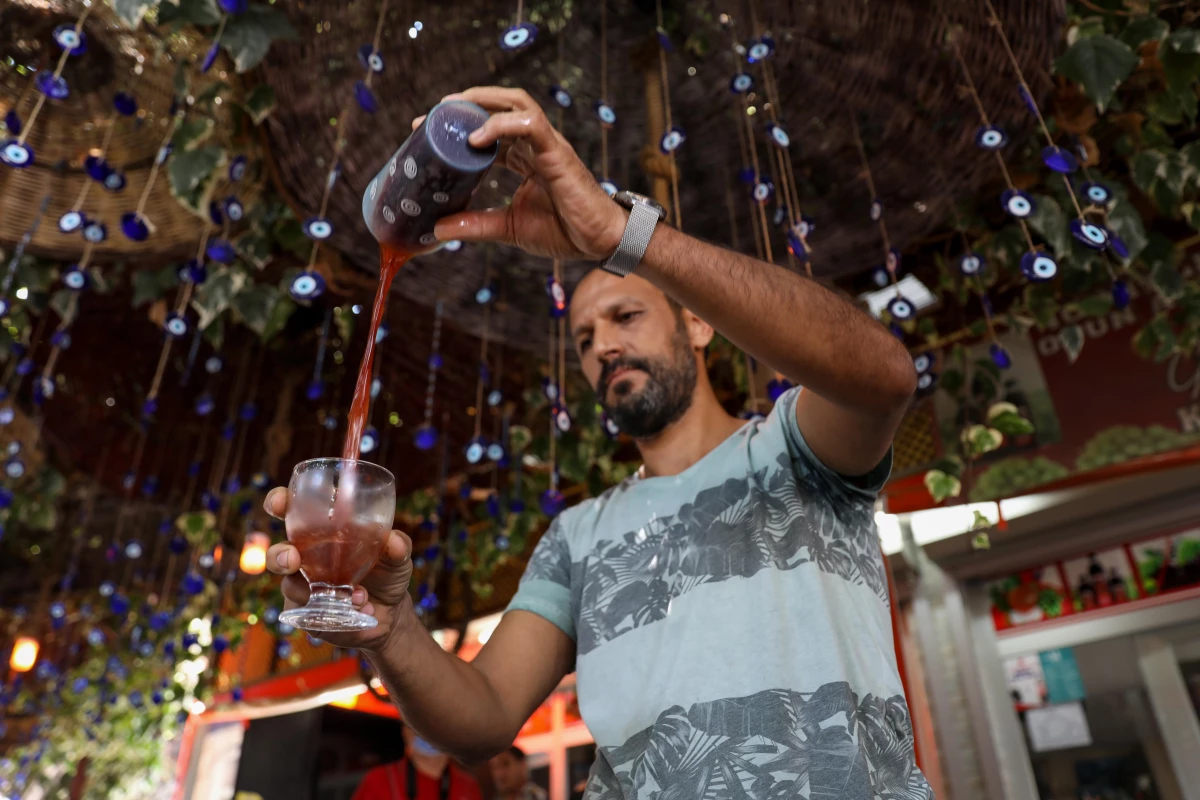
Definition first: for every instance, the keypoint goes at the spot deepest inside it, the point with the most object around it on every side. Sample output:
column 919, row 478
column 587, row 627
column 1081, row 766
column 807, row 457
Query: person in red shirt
column 423, row 774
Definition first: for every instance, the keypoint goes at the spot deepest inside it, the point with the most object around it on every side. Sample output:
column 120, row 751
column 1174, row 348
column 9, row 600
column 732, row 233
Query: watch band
column 634, row 241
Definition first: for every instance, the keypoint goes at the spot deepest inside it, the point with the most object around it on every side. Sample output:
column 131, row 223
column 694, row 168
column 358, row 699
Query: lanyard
column 443, row 789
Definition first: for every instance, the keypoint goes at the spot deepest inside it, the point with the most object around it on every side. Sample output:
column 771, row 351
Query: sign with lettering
column 1060, row 671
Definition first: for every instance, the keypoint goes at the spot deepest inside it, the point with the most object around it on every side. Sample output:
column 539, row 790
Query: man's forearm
column 451, row 703
column 792, row 324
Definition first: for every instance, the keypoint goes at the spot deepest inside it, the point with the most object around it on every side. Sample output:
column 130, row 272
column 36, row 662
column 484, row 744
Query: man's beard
column 665, row 397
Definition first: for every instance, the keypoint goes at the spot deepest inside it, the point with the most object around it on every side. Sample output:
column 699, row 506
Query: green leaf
column 60, row 301
column 951, row 381
column 191, row 133
column 1145, row 29
column 278, row 320
column 1100, row 63
column 1012, row 424
column 1167, row 280
column 980, row 439
column 189, row 12
column 132, row 11
column 1041, row 304
column 1096, row 305
column 941, row 485
column 216, row 294
column 188, row 170
column 151, row 284
column 1049, row 221
column 1072, row 341
column 1125, row 221
column 248, row 36
column 260, row 103
column 1180, row 59
column 1148, row 167
column 1191, row 213
column 255, row 305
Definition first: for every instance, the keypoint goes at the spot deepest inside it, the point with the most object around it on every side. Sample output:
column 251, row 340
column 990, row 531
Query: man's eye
column 627, row 316
column 585, row 345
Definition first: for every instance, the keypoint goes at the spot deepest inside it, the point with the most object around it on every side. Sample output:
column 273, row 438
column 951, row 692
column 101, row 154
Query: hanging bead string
column 520, row 11
column 130, row 481
column 983, row 118
column 19, row 251
column 122, row 551
column 749, row 148
column 68, row 319
column 189, row 494
column 339, row 145
column 62, row 62
column 889, row 261
column 159, row 159
column 604, row 85
column 483, row 347
column 240, row 448
column 172, row 497
column 113, row 116
column 786, row 171
column 561, row 379
column 431, row 384
column 666, row 88
column 551, row 367
column 86, row 511
column 747, row 163
column 182, row 299
column 225, row 448
column 322, row 344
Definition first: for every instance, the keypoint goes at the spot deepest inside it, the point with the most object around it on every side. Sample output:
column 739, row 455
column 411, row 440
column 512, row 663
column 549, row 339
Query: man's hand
column 559, row 210
column 383, row 593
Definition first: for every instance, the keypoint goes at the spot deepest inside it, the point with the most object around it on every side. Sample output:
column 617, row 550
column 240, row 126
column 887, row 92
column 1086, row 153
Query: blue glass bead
column 283, row 649
column 237, row 694
column 365, row 97
column 776, row 388
column 210, row 57
column 314, row 390
column 1000, row 356
column 159, row 620
column 227, row 431
column 426, row 437
column 1120, row 294
column 221, row 251
column 552, row 502
column 119, row 604
column 220, row 644
column 193, row 583
column 125, row 104
column 1059, row 160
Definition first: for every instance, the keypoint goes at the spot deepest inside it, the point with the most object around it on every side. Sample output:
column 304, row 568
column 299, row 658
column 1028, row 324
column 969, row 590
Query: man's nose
column 606, row 343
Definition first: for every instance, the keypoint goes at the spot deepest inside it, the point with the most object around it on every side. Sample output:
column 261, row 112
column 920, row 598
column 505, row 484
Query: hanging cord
column 889, row 262
column 604, row 84
column 131, row 479
column 483, row 346
column 666, row 87
column 154, row 470
column 62, row 62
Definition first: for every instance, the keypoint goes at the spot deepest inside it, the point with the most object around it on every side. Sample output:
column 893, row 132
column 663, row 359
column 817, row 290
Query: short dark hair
column 517, row 753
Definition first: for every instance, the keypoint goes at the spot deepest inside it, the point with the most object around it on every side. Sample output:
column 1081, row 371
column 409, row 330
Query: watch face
column 628, row 199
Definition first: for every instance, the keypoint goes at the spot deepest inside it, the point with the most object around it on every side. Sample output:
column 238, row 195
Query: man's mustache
column 617, row 364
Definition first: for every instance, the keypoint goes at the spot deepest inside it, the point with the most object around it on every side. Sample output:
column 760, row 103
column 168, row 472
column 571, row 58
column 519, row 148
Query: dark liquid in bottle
column 390, row 261
column 342, row 556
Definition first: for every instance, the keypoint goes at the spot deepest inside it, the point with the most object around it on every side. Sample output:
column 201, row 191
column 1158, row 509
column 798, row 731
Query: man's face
column 508, row 772
column 637, row 352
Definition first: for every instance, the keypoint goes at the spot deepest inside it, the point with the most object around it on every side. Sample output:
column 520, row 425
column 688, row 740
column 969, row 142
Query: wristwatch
column 644, row 215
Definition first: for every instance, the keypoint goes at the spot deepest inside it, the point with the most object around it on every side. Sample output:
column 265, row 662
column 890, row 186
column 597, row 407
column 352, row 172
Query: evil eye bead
column 926, row 382
column 221, row 251
column 922, row 362
column 12, row 121
column 876, row 210
column 76, row 278
column 1059, row 160
column 5, row 306
column 763, row 191
column 71, row 222
column 233, row 209
column 672, row 139
column 561, row 96
column 213, row 365
column 95, row 232
column 1038, row 266
column 382, row 332
column 71, row 40
column 609, row 187
column 14, row 468
column 1097, row 194
column 610, row 427
column 484, row 295
column 193, row 271
column 54, row 87
column 365, row 97
column 114, row 181
column 1093, row 236
column 475, row 450
column 1018, row 203
column 1118, row 246
column 796, row 244
column 204, row 405
column 370, row 58
column 606, row 114
column 234, row 6
column 552, row 502
column 990, row 137
column 558, row 297
column 741, row 83
column 175, row 325
column 318, row 228
column 160, row 158
column 779, row 217
column 1120, row 294
column 901, row 309
column 880, row 277
column 562, row 419
column 307, row 286
column 495, row 397
column 96, row 168
column 495, row 452
column 1027, row 100
column 550, row 390
column 518, row 36
column 210, row 57
column 892, row 262
column 760, row 49
column 215, row 214
column 133, row 225
column 16, row 154
column 778, row 135
column 125, row 104
column 237, row 168
column 426, row 437
column 971, row 263
column 452, row 246
column 1000, row 356
column 806, row 226
column 370, row 440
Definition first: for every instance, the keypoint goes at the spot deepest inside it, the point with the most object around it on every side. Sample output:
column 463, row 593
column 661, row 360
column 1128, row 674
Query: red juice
column 390, row 261
column 340, row 556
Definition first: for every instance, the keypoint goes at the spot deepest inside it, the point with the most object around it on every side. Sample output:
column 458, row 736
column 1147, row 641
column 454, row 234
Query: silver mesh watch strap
column 634, row 240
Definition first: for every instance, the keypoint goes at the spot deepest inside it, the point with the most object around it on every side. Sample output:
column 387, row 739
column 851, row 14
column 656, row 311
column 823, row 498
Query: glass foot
column 328, row 610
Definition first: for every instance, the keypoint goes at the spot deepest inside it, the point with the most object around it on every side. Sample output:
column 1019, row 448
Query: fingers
column 494, row 225
column 397, row 550
column 275, row 503
column 283, row 558
column 526, row 124
column 416, row 123
column 497, row 98
column 295, row 589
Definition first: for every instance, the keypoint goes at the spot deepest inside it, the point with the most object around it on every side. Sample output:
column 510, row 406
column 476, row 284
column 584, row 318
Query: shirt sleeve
column 545, row 587
column 369, row 787
column 807, row 465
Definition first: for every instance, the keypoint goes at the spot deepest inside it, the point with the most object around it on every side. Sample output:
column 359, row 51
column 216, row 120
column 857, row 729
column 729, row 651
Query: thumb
column 492, row 225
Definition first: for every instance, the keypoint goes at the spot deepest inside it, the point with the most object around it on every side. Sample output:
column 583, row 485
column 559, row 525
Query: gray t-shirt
column 732, row 631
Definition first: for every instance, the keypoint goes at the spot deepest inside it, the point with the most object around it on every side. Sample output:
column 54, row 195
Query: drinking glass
column 339, row 516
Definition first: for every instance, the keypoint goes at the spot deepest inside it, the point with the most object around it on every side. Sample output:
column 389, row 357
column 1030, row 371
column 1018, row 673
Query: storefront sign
column 1057, row 727
column 1060, row 671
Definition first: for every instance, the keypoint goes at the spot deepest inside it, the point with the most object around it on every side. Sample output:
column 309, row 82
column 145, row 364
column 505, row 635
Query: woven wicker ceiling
column 879, row 61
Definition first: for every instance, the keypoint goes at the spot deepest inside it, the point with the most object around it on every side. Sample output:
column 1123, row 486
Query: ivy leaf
column 216, row 294
column 255, row 306
column 1180, row 59
column 1191, row 213
column 279, row 318
column 189, row 12
column 1145, row 29
column 188, row 170
column 248, row 36
column 1125, row 221
column 132, row 11
column 1148, row 167
column 1050, row 222
column 981, row 439
column 60, row 301
column 1041, row 305
column 1096, row 305
column 192, row 133
column 1011, row 424
column 941, row 485
column 1099, row 63
column 951, row 381
column 151, row 284
column 260, row 103
column 1072, row 341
